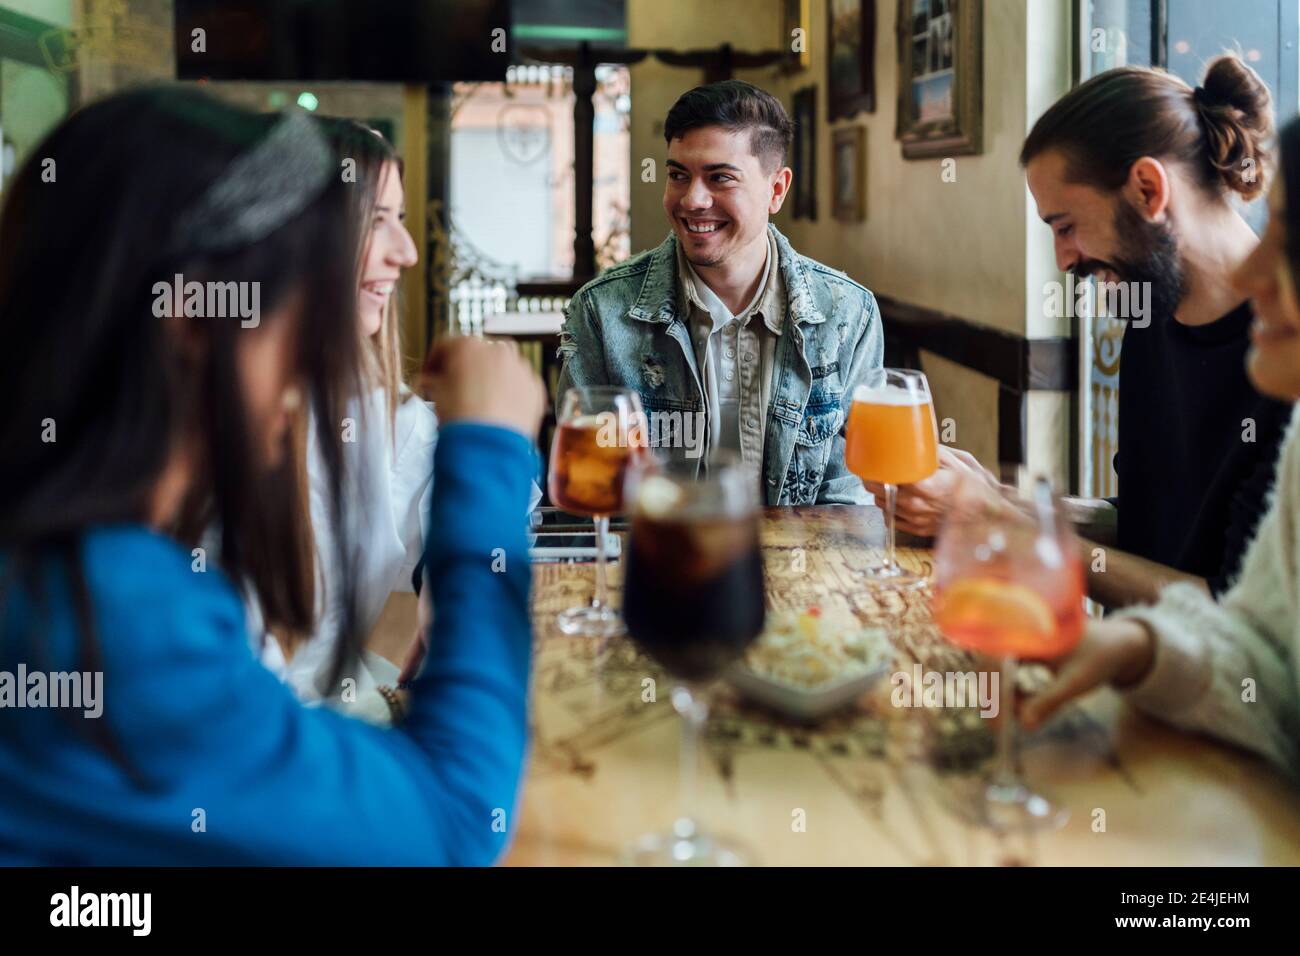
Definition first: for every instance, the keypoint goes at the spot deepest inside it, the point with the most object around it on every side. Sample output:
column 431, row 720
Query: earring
column 291, row 400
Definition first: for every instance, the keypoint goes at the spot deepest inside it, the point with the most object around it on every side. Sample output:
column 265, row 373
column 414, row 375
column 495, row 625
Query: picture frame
column 851, row 58
column 796, row 15
column 849, row 174
column 803, row 155
column 940, row 78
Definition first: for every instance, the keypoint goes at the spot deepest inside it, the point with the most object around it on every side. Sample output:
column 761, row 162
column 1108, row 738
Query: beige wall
column 954, row 246
column 129, row 42
column 973, row 248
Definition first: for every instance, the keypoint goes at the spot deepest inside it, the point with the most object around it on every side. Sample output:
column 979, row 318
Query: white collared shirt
column 735, row 357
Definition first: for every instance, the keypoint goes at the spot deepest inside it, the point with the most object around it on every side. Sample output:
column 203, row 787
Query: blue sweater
column 232, row 769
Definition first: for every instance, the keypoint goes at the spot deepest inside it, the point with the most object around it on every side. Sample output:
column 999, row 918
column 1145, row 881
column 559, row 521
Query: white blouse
column 387, row 493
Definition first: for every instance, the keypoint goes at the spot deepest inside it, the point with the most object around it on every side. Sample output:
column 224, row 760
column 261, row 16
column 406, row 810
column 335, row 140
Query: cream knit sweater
column 1229, row 668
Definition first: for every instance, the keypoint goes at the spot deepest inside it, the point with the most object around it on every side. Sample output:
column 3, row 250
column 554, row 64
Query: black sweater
column 1197, row 445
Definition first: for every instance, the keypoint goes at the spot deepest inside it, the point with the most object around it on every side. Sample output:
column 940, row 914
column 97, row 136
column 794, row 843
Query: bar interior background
column 521, row 188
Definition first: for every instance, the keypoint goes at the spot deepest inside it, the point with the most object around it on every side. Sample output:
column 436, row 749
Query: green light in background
column 545, row 31
column 308, row 100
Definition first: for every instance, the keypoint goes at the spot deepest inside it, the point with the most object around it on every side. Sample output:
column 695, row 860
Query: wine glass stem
column 1006, row 775
column 693, row 707
column 602, row 529
column 891, row 502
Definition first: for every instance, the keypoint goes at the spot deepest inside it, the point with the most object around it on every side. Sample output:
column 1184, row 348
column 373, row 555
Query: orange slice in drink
column 995, row 617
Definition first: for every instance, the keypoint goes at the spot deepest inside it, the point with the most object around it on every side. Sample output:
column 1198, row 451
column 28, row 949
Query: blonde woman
column 388, row 435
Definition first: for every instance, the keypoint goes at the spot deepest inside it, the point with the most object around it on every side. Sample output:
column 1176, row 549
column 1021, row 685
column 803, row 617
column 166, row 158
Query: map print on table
column 594, row 690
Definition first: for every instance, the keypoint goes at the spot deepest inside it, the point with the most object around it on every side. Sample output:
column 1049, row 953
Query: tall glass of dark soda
column 693, row 601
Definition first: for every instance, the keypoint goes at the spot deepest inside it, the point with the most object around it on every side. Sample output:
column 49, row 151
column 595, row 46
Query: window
column 512, row 178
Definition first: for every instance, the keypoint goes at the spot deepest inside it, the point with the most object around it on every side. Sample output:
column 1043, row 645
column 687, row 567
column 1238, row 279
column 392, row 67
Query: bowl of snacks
column 808, row 663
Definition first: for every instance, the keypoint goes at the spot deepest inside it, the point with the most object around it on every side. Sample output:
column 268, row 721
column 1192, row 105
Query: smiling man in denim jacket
column 732, row 339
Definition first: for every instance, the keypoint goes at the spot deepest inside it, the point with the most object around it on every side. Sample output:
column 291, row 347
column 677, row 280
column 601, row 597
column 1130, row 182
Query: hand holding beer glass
column 892, row 439
column 601, row 431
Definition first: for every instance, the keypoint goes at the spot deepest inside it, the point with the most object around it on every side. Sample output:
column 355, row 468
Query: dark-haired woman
column 1229, row 668
column 128, row 428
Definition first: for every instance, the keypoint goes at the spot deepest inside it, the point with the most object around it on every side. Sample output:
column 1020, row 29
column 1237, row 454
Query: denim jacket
column 628, row 328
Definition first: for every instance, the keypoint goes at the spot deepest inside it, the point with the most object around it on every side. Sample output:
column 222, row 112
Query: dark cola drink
column 693, row 591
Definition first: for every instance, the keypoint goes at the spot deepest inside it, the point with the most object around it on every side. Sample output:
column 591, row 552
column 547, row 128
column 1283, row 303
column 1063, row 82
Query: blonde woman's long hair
column 361, row 156
column 364, row 156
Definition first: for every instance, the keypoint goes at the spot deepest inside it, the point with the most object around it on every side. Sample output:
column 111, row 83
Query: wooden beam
column 1020, row 364
column 1017, row 364
column 415, row 157
column 584, row 163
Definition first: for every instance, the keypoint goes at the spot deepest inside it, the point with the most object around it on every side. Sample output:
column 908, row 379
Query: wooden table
column 870, row 785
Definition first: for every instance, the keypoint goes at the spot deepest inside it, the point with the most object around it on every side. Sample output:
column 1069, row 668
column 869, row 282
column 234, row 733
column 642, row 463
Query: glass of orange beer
column 1009, row 583
column 892, row 439
column 600, row 433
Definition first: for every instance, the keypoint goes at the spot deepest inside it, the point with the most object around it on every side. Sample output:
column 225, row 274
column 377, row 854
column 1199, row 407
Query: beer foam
column 888, row 395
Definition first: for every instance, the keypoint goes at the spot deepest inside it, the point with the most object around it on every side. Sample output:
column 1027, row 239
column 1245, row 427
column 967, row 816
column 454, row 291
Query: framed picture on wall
column 849, row 174
column 851, row 63
column 940, row 77
column 794, row 16
column 804, row 157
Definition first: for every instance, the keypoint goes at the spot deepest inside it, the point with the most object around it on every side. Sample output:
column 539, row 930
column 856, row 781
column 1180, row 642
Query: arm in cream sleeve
column 1228, row 668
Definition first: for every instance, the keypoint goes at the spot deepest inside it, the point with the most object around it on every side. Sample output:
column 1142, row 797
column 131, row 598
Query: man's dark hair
column 1220, row 130
column 735, row 105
